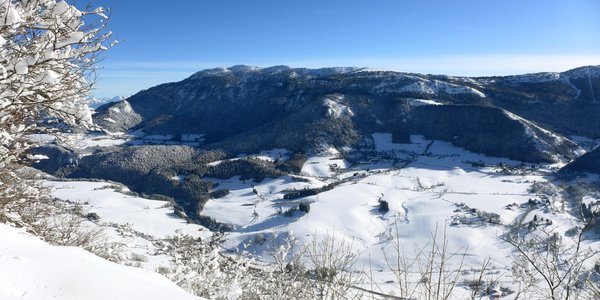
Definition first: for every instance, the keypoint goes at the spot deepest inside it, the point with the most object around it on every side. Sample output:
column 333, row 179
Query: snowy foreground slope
column 33, row 269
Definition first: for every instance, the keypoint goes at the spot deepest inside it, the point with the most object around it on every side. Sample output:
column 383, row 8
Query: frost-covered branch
column 48, row 55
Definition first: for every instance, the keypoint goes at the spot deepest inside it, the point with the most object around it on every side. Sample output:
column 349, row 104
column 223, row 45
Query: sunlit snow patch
column 336, row 109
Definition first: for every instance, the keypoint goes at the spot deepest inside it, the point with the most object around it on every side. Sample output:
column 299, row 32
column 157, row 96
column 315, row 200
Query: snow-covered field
column 430, row 187
column 425, row 192
column 150, row 217
column 443, row 189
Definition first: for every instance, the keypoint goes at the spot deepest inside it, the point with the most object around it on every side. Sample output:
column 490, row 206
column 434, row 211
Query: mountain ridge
column 283, row 107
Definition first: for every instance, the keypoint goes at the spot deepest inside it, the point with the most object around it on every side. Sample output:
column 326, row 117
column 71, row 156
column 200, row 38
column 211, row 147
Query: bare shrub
column 550, row 267
column 332, row 263
column 428, row 272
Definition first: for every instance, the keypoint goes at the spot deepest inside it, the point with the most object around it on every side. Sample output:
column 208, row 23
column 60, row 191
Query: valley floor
column 434, row 192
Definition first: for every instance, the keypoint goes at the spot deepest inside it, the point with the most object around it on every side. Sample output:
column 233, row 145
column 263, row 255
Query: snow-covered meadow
column 433, row 192
column 424, row 193
column 431, row 188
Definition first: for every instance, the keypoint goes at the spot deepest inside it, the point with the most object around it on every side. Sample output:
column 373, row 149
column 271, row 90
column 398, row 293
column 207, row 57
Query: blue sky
column 165, row 41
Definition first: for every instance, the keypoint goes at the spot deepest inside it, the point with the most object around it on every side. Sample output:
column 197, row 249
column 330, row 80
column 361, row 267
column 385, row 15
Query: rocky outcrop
column 116, row 117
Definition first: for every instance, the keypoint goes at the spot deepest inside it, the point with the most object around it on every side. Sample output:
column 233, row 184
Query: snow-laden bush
column 48, row 52
column 319, row 270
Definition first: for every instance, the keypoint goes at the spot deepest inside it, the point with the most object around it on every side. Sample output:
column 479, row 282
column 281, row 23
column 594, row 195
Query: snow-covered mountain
column 241, row 109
